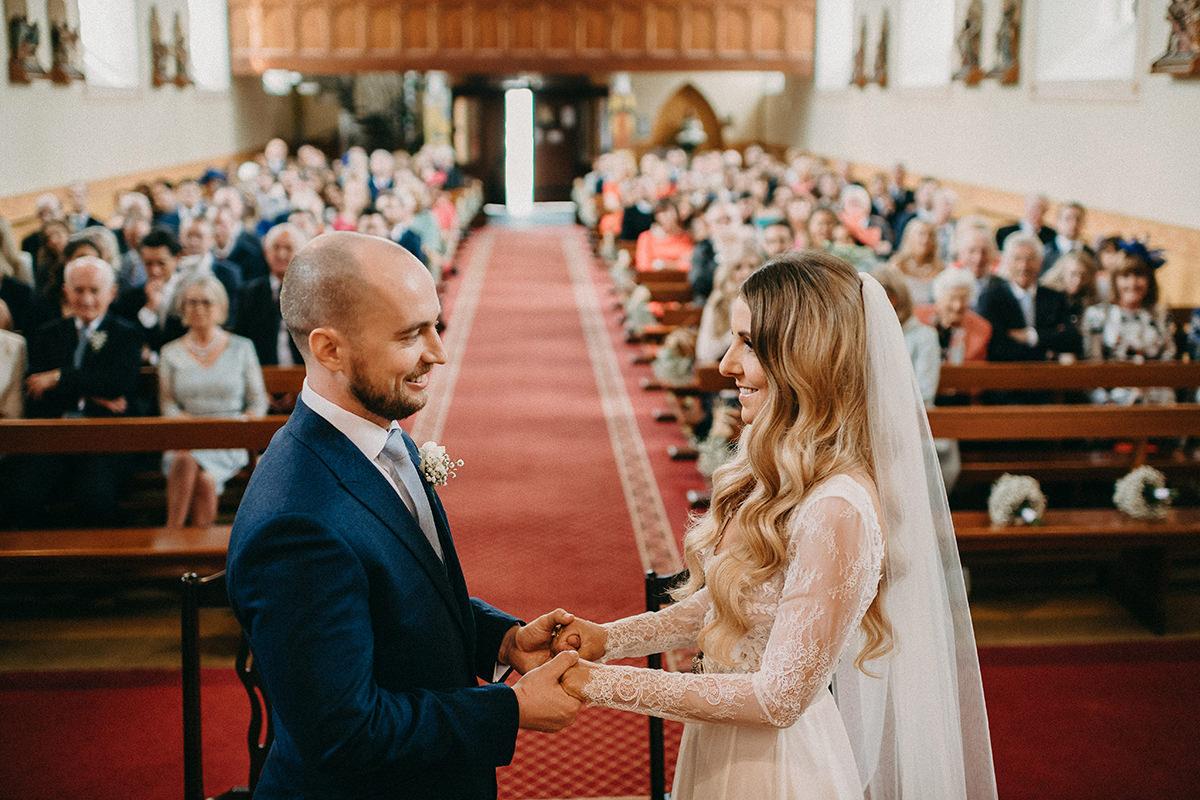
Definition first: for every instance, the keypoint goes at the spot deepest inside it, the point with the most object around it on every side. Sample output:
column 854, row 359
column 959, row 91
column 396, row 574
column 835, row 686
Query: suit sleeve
column 1002, row 347
column 302, row 595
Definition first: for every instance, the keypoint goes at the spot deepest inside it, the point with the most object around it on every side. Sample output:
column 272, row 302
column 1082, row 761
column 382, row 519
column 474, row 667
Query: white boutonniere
column 1016, row 500
column 436, row 466
column 1143, row 494
column 96, row 340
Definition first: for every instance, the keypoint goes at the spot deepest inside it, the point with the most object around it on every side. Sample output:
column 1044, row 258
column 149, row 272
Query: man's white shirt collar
column 364, row 434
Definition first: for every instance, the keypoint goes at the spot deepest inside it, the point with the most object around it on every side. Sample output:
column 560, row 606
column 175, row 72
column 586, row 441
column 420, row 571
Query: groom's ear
column 328, row 347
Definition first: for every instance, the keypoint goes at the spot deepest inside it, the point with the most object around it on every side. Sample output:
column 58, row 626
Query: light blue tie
column 395, row 454
column 80, row 347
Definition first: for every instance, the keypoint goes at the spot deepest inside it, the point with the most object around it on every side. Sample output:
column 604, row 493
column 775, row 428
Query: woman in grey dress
column 207, row 372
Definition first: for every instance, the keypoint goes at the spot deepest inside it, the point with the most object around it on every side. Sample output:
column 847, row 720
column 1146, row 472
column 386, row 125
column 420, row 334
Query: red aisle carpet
column 541, row 519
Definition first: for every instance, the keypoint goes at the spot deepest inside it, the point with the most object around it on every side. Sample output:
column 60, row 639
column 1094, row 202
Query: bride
column 825, row 590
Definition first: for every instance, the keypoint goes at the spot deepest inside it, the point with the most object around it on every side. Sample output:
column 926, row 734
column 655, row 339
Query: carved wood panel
column 333, row 36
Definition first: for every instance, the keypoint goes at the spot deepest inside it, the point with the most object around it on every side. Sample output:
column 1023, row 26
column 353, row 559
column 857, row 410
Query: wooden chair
column 210, row 591
column 658, row 594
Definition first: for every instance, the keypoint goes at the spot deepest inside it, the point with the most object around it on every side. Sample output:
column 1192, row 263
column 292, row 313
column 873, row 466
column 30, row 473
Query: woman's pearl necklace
column 202, row 352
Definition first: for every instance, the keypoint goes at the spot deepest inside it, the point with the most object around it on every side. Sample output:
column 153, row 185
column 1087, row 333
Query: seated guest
column 715, row 228
column 165, row 205
column 191, row 203
column 47, row 207
column 1029, row 322
column 917, row 260
column 84, row 365
column 49, row 303
column 233, row 243
column 1074, row 274
column 1111, row 256
column 712, row 339
column 1031, row 222
column 48, row 263
column 12, row 367
column 1069, row 235
column 667, row 245
column 259, row 319
column 962, row 334
column 19, row 300
column 638, row 208
column 196, row 239
column 78, row 216
column 821, row 225
column 868, row 230
column 153, row 306
column 1133, row 327
column 15, row 263
column 135, row 214
column 207, row 372
column 775, row 239
column 975, row 249
column 397, row 211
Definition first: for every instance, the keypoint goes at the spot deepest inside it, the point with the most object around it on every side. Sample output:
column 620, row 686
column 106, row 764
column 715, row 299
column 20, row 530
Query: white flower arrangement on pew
column 1143, row 494
column 1016, row 500
column 715, row 450
column 436, row 466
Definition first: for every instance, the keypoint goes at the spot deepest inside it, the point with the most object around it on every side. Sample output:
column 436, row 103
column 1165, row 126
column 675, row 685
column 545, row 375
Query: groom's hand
column 527, row 647
column 587, row 638
column 544, row 705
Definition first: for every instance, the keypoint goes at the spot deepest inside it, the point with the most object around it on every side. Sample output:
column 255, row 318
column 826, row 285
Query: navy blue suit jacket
column 109, row 369
column 1052, row 319
column 368, row 646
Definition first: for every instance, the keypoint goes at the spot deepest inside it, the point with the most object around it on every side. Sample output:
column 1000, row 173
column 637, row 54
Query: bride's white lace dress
column 767, row 727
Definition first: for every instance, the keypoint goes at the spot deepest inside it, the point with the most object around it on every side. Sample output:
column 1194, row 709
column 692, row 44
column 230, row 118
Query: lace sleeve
column 657, row 631
column 833, row 573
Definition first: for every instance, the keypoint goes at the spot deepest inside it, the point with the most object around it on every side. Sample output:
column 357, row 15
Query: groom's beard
column 388, row 399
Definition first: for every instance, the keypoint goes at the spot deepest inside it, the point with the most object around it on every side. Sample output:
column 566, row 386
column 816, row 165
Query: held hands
column 527, row 647
column 575, row 678
column 543, row 703
column 587, row 638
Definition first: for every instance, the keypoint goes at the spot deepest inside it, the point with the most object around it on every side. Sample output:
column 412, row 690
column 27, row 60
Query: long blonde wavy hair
column 808, row 330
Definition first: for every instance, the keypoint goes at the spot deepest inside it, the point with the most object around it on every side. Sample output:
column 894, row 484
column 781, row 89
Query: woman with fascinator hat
column 825, row 590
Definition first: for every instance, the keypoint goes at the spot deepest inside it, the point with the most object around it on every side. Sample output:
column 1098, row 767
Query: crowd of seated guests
column 185, row 276
column 1035, row 292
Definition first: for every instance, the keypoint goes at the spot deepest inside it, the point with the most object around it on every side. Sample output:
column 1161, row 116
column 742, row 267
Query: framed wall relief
column 24, row 36
column 66, row 63
column 880, row 72
column 858, row 77
column 1008, row 42
column 1182, row 56
column 160, row 53
column 179, row 52
column 967, row 42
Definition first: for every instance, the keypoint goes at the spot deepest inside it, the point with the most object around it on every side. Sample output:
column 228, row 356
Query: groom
column 343, row 574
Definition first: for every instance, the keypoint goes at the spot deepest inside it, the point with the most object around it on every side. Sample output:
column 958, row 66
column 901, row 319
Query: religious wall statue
column 1008, row 41
column 967, row 43
column 880, row 72
column 691, row 133
column 859, row 76
column 179, row 49
column 1182, row 57
column 23, row 39
column 66, row 64
column 160, row 53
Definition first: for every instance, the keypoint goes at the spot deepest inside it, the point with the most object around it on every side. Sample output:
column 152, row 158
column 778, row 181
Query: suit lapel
column 364, row 482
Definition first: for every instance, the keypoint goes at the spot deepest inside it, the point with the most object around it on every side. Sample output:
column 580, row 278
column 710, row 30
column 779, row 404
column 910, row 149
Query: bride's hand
column 588, row 638
column 576, row 677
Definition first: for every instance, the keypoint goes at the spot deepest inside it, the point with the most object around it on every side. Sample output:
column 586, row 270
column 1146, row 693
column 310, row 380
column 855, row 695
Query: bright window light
column 518, row 152
column 111, row 44
column 208, row 35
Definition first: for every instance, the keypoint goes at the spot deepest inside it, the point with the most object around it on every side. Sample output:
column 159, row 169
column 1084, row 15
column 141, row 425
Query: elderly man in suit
column 1030, row 222
column 1029, row 322
column 343, row 573
column 83, row 365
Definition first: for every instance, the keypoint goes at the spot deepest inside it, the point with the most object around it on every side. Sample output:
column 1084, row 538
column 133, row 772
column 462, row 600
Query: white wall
column 51, row 135
column 736, row 97
column 1131, row 149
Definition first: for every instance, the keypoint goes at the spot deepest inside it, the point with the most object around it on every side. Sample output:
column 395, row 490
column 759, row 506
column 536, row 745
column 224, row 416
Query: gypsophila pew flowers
column 436, row 466
column 1143, row 494
column 1016, row 500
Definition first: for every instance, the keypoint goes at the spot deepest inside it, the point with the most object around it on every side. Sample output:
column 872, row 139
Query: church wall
column 53, row 135
column 1126, row 149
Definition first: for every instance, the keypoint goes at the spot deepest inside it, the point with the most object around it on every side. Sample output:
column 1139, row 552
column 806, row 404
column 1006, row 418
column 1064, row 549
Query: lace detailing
column 802, row 621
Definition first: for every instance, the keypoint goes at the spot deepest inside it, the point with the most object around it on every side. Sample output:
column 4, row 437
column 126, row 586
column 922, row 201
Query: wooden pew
column 1139, row 551
column 136, row 434
column 975, row 377
column 116, row 553
column 278, row 380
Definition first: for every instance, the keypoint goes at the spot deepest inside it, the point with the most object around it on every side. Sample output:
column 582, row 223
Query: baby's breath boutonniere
column 96, row 340
column 1016, row 500
column 436, row 466
column 1143, row 494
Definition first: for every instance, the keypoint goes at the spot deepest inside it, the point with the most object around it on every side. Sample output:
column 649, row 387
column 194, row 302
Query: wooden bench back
column 136, row 434
column 1080, row 376
column 278, row 380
